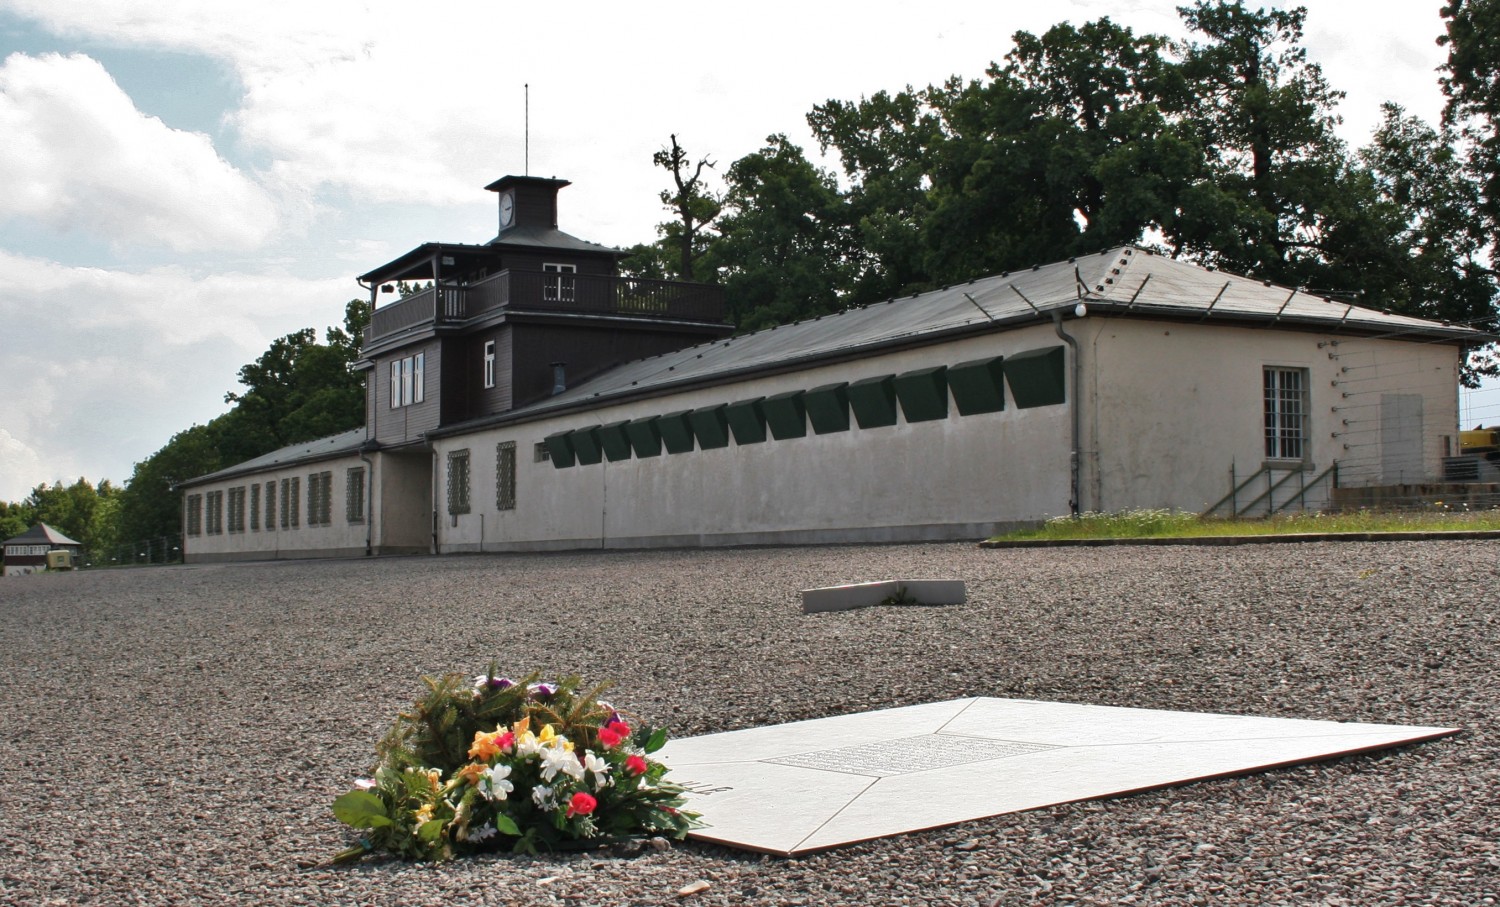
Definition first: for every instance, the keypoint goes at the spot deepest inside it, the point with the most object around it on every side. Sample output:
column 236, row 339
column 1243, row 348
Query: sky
column 181, row 182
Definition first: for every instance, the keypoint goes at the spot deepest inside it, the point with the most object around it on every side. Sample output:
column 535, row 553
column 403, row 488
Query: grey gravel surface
column 175, row 735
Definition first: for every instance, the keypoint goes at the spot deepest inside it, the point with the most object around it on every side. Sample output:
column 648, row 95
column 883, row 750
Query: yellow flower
column 471, row 773
column 522, row 726
column 435, row 778
column 424, row 814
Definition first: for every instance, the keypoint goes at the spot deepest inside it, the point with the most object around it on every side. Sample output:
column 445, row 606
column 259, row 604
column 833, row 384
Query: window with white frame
column 408, row 380
column 489, row 363
column 458, row 482
column 557, row 286
column 1286, row 412
column 505, row 475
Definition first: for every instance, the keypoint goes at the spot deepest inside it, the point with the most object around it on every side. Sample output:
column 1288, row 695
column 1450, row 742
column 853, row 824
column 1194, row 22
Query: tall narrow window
column 255, row 507
column 418, row 377
column 319, row 498
column 505, row 475
column 271, row 505
column 489, row 363
column 1286, row 413
column 237, row 509
column 296, row 497
column 354, row 495
column 286, row 497
column 406, row 377
column 395, row 383
column 557, row 286
column 458, row 482
column 195, row 514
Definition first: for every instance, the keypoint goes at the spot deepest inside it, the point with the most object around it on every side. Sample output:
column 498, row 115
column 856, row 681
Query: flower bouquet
column 493, row 764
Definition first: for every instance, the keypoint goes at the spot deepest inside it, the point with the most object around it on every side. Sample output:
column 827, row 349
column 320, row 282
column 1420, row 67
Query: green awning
column 747, row 421
column 873, row 401
column 560, row 449
column 710, row 426
column 978, row 386
column 786, row 415
column 1037, row 377
column 585, row 443
column 645, row 439
column 923, row 394
column 612, row 439
column 676, row 433
column 828, row 408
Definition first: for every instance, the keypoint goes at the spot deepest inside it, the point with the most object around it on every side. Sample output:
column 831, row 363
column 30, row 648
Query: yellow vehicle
column 1480, row 442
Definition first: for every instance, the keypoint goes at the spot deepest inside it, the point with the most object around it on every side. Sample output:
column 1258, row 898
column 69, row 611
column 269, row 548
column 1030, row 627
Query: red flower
column 581, row 805
column 613, row 733
column 506, row 742
column 635, row 765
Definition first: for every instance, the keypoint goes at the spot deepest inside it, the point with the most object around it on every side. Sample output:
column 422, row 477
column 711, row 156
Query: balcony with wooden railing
column 549, row 291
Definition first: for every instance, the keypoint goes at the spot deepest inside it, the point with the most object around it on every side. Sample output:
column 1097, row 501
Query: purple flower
column 542, row 690
column 501, row 683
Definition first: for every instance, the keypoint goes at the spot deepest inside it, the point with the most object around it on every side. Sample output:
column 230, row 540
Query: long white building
column 534, row 400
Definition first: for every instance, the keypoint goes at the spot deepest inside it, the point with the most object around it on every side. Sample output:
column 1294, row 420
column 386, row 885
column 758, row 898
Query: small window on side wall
column 1286, row 412
column 489, row 363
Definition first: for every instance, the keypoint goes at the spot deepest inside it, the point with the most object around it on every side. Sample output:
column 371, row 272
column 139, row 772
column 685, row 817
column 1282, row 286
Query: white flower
column 599, row 767
column 493, row 784
column 365, row 784
column 482, row 833
column 527, row 745
column 541, row 795
column 557, row 759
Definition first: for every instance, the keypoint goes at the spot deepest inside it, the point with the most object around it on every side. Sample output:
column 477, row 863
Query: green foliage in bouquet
column 493, row 764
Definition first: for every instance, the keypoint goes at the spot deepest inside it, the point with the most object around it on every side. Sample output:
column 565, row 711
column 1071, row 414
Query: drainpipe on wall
column 1075, row 456
column 369, row 504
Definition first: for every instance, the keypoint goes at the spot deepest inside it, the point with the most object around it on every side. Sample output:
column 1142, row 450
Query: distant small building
column 29, row 552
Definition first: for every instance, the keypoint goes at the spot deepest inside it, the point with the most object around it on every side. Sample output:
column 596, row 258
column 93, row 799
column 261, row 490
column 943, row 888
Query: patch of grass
column 1181, row 524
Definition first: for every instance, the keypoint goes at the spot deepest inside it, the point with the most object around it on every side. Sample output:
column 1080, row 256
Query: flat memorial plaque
column 812, row 785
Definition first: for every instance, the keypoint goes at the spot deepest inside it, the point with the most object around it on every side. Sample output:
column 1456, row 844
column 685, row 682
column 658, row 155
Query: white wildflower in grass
column 598, row 768
column 493, row 783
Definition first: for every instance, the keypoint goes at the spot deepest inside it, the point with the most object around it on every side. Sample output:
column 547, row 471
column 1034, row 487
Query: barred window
column 540, row 453
column 291, row 502
column 237, row 509
column 458, row 482
column 215, row 516
column 195, row 514
column 354, row 495
column 255, row 507
column 271, row 505
column 319, row 498
column 1286, row 413
column 505, row 475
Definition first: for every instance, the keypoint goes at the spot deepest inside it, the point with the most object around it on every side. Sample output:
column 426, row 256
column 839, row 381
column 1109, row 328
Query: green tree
column 1471, row 82
column 14, row 519
column 1265, row 116
column 151, row 506
column 685, row 239
column 79, row 511
column 885, row 145
column 783, row 249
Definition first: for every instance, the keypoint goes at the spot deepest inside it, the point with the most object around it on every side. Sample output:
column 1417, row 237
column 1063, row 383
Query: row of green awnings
column 1036, row 378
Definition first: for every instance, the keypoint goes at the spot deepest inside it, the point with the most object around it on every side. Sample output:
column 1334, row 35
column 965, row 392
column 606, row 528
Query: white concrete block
column 863, row 595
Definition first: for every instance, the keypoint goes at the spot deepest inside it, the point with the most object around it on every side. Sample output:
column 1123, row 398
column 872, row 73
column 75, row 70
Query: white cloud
column 79, row 157
column 103, row 367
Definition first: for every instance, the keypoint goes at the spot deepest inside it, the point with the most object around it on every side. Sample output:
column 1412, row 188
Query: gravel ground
column 175, row 735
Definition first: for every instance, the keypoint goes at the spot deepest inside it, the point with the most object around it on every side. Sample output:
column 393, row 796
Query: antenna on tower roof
column 527, row 153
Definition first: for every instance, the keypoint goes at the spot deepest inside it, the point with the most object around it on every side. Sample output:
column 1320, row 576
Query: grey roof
column 323, row 448
column 549, row 238
column 1122, row 281
column 39, row 533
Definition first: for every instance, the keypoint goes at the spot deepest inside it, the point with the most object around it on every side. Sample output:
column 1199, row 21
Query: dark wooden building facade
column 510, row 322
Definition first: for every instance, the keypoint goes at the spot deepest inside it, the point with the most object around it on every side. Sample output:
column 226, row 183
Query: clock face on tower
column 507, row 209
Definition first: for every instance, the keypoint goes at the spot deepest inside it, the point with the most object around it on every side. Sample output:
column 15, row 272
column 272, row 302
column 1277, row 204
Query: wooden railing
column 550, row 292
